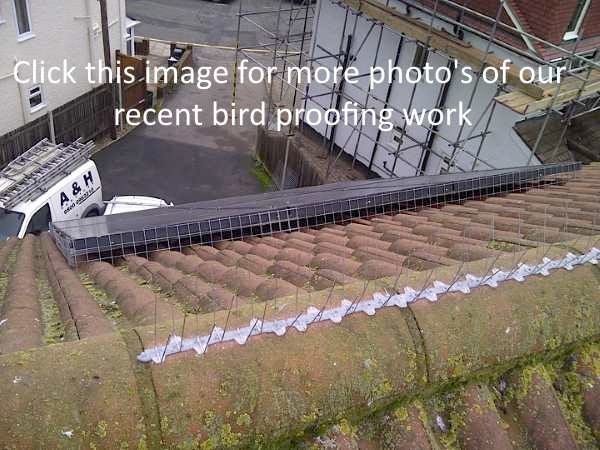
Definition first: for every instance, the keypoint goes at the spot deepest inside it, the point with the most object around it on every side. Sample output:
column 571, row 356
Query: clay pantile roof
column 512, row 367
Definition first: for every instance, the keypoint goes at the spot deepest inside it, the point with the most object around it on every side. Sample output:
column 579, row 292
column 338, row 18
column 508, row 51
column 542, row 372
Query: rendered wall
column 502, row 147
column 62, row 29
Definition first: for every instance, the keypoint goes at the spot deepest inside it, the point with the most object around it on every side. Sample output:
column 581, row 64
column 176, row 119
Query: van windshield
column 10, row 223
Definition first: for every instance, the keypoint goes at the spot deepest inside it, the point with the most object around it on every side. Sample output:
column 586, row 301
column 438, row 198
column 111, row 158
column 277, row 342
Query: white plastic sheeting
column 369, row 306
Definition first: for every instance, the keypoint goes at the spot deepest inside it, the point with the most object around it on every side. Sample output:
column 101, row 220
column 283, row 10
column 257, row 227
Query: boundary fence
column 88, row 116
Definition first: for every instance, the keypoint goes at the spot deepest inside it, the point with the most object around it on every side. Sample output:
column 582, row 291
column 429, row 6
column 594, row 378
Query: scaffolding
column 293, row 41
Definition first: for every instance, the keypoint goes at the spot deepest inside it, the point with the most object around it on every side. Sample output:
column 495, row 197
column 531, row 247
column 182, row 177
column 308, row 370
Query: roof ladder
column 34, row 171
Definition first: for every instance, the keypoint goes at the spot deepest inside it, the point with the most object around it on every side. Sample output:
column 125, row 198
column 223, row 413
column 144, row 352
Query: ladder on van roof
column 34, row 172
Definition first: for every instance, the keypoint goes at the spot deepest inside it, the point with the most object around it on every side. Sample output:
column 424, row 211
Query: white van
column 48, row 183
column 134, row 203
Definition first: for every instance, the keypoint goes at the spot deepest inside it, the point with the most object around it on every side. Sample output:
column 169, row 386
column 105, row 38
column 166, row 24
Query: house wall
column 591, row 24
column 62, row 29
column 551, row 25
column 502, row 147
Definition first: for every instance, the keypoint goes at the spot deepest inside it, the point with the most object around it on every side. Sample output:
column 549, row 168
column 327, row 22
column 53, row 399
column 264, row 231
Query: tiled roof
column 550, row 26
column 524, row 399
column 528, row 407
column 265, row 268
column 205, row 278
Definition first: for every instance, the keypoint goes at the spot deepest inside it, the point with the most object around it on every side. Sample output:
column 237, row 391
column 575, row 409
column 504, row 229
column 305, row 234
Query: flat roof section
column 109, row 237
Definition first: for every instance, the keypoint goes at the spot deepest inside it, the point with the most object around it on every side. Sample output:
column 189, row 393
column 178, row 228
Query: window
column 130, row 25
column 10, row 223
column 23, row 18
column 398, row 135
column 577, row 20
column 36, row 99
column 40, row 220
column 421, row 56
column 575, row 64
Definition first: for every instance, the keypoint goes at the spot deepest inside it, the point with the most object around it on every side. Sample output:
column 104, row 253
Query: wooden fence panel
column 142, row 46
column 134, row 94
column 87, row 117
column 20, row 140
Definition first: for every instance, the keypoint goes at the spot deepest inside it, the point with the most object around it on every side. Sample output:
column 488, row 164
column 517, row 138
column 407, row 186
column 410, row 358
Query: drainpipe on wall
column 123, row 27
column 51, row 127
column 107, row 62
column 21, row 97
column 90, row 31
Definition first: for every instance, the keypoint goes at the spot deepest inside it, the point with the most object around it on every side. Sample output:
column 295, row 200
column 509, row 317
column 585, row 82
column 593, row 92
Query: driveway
column 201, row 21
column 186, row 163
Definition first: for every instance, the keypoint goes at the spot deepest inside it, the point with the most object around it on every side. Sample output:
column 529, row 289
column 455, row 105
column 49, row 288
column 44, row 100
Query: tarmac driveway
column 202, row 21
column 186, row 164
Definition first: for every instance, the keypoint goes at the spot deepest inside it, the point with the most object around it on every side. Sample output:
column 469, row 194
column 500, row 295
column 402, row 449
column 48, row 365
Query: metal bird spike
column 300, row 313
column 183, row 331
column 214, row 314
column 296, row 300
column 456, row 277
column 547, row 262
column 517, row 264
column 567, row 215
column 228, row 316
column 460, row 268
column 197, row 314
column 212, row 330
column 320, row 314
column 595, row 242
column 264, row 314
column 396, row 281
column 517, row 261
column 487, row 274
column 155, row 316
column 252, row 329
column 267, row 304
column 252, row 306
column 357, row 299
column 426, row 283
column 594, row 224
column 162, row 358
column 545, row 221
column 172, row 311
column 549, row 247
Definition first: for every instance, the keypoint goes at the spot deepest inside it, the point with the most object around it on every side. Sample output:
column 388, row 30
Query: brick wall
column 592, row 21
column 546, row 19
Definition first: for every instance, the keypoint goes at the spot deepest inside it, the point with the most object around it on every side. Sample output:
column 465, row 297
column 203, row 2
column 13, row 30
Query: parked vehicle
column 125, row 204
column 53, row 183
column 48, row 183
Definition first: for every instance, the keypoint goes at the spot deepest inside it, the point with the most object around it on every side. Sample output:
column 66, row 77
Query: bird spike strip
column 493, row 279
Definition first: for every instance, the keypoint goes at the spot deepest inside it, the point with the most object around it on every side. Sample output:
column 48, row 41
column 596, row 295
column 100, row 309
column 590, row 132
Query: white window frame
column 574, row 34
column 28, row 34
column 129, row 37
column 42, row 105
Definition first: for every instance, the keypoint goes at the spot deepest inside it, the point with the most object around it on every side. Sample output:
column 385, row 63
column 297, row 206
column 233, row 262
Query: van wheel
column 93, row 213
